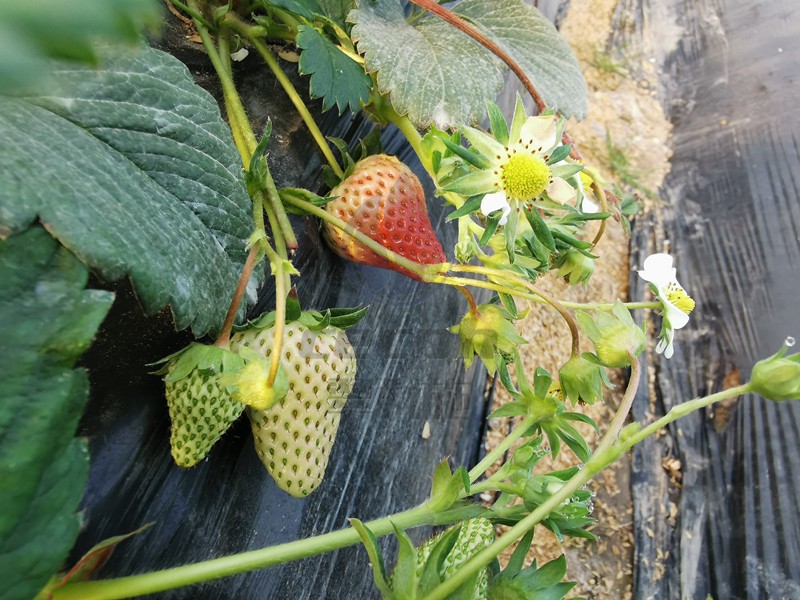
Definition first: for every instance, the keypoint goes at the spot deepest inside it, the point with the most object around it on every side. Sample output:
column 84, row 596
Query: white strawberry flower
column 675, row 302
column 517, row 168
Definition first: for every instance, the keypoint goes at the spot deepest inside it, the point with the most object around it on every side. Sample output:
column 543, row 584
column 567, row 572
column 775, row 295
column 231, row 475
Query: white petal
column 658, row 270
column 665, row 343
column 588, row 206
column 240, row 54
column 496, row 201
column 676, row 317
column 539, row 133
column 560, row 191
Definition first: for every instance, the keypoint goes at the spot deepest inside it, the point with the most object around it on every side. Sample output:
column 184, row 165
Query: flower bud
column 575, row 267
column 614, row 334
column 486, row 333
column 777, row 377
column 582, row 380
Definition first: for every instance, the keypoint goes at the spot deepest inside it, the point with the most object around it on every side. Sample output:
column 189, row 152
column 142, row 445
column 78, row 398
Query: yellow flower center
column 525, row 176
column 679, row 298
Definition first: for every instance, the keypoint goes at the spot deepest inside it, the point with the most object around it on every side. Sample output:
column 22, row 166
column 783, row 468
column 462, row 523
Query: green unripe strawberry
column 294, row 437
column 200, row 407
column 474, row 536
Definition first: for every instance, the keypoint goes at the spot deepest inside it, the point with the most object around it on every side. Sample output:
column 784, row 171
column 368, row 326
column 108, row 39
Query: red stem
column 238, row 294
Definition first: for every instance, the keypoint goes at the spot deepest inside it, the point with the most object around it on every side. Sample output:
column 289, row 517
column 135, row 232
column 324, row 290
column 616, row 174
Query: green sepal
column 477, row 182
column 201, row 357
column 498, row 123
column 492, row 222
column 571, row 241
column 472, row 204
column 559, row 154
column 301, row 194
column 375, row 557
column 471, row 157
column 510, row 232
column 541, row 382
column 532, row 582
column 505, row 376
column 540, row 229
column 566, row 171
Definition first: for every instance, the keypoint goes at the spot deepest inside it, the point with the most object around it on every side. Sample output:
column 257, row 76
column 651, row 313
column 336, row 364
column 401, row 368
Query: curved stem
column 618, row 421
column 600, row 194
column 241, row 287
column 232, row 21
column 461, row 25
column 500, row 450
column 473, row 308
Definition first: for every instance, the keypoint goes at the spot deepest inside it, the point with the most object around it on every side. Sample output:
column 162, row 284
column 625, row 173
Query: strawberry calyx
column 199, row 357
column 341, row 318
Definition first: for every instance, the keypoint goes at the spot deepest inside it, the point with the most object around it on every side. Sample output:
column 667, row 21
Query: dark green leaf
column 517, row 560
column 532, row 41
column 132, row 168
column 431, row 71
column 335, row 77
column 33, row 32
column 308, row 9
column 48, row 320
column 472, row 204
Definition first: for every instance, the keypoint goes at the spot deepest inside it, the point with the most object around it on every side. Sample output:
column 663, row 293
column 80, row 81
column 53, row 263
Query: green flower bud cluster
column 614, row 334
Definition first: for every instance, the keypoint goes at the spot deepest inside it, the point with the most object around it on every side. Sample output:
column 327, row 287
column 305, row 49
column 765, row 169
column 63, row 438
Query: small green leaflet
column 433, row 72
column 335, row 77
column 132, row 168
column 48, row 320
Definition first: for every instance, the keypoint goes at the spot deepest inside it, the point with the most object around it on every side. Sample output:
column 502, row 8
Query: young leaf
column 43, row 468
column 132, row 167
column 335, row 77
column 423, row 66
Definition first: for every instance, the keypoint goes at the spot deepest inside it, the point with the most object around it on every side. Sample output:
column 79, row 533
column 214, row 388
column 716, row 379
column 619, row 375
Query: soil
column 627, row 137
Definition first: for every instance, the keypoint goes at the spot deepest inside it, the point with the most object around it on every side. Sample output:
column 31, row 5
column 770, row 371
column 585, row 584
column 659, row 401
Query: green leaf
column 431, row 71
column 540, row 229
column 404, row 576
column 132, row 168
column 532, row 41
column 559, row 154
column 48, row 320
column 33, row 32
column 498, row 123
column 335, row 77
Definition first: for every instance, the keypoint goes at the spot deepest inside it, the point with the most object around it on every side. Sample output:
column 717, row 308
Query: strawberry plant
column 116, row 162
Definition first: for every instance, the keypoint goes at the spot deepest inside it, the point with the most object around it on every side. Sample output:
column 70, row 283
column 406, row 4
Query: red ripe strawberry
column 383, row 199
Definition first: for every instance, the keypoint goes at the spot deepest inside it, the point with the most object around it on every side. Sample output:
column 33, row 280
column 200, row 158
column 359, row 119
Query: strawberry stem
column 499, row 451
column 473, row 308
column 232, row 21
column 600, row 194
column 247, row 272
column 159, row 581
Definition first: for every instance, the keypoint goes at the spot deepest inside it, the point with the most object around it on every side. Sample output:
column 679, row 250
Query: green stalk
column 489, row 272
column 500, row 449
column 289, row 88
column 159, row 581
column 599, row 461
